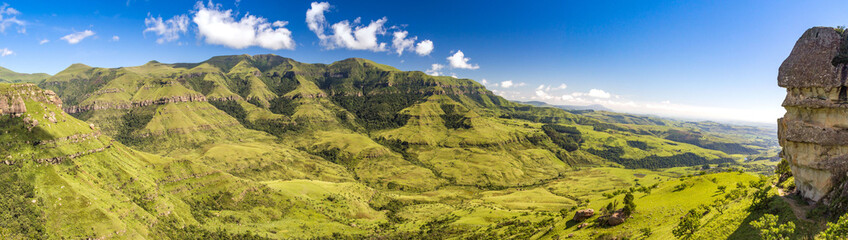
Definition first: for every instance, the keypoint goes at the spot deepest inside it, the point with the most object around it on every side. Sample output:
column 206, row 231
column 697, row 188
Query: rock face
column 583, row 214
column 814, row 130
column 12, row 99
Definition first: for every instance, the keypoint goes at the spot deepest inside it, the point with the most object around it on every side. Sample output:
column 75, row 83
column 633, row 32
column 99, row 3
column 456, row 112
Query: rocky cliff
column 12, row 98
column 814, row 130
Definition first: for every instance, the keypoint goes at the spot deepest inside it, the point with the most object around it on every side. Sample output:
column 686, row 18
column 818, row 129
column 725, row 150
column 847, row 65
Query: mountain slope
column 430, row 129
column 9, row 76
column 242, row 145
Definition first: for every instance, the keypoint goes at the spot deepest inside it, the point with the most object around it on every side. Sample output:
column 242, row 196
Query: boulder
column 583, row 214
column 616, row 218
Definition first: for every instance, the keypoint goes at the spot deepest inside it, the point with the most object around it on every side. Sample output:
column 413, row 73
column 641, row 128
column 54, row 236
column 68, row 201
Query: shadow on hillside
column 571, row 223
column 776, row 207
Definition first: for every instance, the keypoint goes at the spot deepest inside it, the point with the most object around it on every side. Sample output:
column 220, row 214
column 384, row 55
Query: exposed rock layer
column 814, row 130
column 12, row 101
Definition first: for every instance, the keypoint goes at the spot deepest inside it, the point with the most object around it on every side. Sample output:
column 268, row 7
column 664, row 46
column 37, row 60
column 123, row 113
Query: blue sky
column 693, row 59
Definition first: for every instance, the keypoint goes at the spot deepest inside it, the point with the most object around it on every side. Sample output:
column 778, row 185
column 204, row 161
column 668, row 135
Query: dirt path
column 800, row 211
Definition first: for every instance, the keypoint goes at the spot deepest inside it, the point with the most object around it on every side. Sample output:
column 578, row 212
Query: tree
column 760, row 198
column 770, row 230
column 688, row 225
column 783, row 168
column 612, row 206
column 646, row 232
column 629, row 205
column 722, row 188
column 836, row 231
column 720, row 205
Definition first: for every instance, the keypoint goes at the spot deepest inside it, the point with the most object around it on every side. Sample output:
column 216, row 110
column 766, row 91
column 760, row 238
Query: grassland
column 267, row 147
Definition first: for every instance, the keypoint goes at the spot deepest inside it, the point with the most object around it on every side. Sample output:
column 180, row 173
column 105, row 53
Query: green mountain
column 267, row 147
column 9, row 76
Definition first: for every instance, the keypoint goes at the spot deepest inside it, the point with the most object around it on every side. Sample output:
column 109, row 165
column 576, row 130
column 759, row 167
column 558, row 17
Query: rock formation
column 583, row 214
column 814, row 130
column 12, row 99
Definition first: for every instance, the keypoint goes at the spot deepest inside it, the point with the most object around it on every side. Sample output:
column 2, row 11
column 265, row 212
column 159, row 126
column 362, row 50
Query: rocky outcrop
column 814, row 130
column 583, row 214
column 12, row 98
column 616, row 218
column 160, row 101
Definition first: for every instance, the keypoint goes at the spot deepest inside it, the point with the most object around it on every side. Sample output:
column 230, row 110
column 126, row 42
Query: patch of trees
column 336, row 156
column 380, row 111
column 20, row 216
column 392, row 207
column 454, row 119
column 282, row 105
column 567, row 138
column 232, row 108
column 276, row 127
column 837, row 230
column 695, row 138
column 202, row 205
column 136, row 119
column 688, row 224
column 639, row 144
column 171, row 228
column 654, row 162
column 527, row 116
column 770, row 229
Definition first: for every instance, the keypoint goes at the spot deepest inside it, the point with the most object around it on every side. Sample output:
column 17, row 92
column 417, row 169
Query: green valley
column 267, row 147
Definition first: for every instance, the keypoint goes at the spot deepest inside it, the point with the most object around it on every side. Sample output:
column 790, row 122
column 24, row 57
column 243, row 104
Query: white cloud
column 76, row 37
column 561, row 87
column 315, row 18
column 424, row 48
column 484, row 81
column 435, row 69
column 219, row 26
column 345, row 35
column 6, row 52
column 401, row 43
column 597, row 93
column 458, row 60
column 168, row 30
column 663, row 108
column 43, row 41
column 8, row 18
column 506, row 84
column 115, row 38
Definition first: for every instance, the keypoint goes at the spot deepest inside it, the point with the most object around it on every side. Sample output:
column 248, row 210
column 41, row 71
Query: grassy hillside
column 264, row 146
column 9, row 76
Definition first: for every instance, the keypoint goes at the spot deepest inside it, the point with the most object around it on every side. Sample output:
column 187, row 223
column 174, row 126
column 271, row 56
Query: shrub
column 760, row 198
column 770, row 230
column 688, row 225
column 835, row 231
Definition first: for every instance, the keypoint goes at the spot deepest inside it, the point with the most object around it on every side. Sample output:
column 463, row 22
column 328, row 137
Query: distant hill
column 9, row 76
column 596, row 107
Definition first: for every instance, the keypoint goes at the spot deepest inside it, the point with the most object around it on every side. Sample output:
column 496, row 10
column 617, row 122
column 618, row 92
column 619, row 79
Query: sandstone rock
column 616, row 218
column 809, row 63
column 814, row 130
column 582, row 225
column 583, row 214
